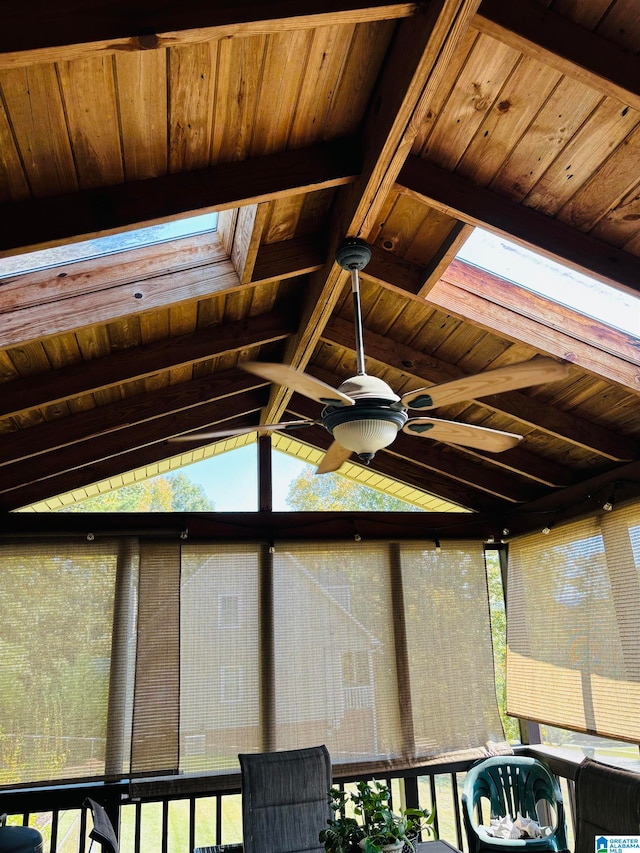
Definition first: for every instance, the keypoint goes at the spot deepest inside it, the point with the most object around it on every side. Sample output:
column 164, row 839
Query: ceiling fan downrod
column 353, row 255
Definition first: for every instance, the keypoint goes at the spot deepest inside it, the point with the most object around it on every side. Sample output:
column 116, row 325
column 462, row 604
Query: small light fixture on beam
column 608, row 505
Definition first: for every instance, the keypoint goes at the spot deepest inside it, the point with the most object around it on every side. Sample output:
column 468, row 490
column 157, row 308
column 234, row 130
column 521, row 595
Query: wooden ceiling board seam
column 182, row 319
column 461, row 56
column 223, row 82
column 505, row 123
column 141, row 96
column 190, row 93
column 280, row 93
column 606, row 187
column 13, row 184
column 325, row 59
column 363, row 57
column 605, row 128
column 242, row 106
column 475, row 90
column 621, row 24
column 88, row 89
column 563, row 114
column 33, row 102
column 588, row 16
column 435, row 244
column 61, row 351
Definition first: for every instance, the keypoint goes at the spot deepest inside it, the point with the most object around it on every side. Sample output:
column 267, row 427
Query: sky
column 230, row 480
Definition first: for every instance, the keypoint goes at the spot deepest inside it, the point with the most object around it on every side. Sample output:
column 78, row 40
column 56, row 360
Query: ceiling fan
column 365, row 415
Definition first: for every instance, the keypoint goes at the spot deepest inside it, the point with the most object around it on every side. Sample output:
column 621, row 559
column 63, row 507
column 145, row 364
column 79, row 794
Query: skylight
column 110, row 244
column 602, row 302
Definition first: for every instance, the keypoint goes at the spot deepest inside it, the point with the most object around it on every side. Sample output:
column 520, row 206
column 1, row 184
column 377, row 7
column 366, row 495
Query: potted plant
column 375, row 827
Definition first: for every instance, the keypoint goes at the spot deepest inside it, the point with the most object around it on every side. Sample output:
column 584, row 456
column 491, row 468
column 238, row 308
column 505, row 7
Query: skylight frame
column 513, row 262
column 106, row 245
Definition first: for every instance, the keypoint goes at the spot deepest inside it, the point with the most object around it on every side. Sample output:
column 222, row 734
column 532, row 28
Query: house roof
column 404, row 124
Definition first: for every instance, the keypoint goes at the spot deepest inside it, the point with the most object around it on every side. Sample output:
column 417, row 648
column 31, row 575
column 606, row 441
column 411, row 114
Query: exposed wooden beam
column 58, row 219
column 479, row 206
column 87, row 377
column 34, row 33
column 264, row 526
column 106, row 421
column 415, row 67
column 583, row 499
column 288, row 259
column 534, row 412
column 564, row 45
column 126, row 442
column 462, row 469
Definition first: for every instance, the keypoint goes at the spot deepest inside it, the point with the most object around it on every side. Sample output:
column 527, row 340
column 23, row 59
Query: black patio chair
column 285, row 802
column 607, row 803
column 103, row 831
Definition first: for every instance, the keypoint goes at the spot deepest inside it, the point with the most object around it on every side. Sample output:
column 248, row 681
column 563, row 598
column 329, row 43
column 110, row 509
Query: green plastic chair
column 508, row 784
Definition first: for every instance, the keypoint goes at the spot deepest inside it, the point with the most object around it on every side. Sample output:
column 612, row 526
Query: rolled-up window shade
column 156, row 712
column 573, row 645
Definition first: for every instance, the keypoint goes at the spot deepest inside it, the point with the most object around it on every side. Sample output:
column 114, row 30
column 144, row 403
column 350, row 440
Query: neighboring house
column 325, row 661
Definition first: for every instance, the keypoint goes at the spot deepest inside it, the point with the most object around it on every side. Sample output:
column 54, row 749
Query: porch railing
column 159, row 816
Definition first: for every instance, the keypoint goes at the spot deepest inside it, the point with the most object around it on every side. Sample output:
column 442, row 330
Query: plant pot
column 395, row 847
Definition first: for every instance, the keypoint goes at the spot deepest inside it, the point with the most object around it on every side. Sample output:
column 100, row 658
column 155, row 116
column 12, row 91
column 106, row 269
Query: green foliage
column 173, row 493
column 309, row 492
column 378, row 826
column 499, row 637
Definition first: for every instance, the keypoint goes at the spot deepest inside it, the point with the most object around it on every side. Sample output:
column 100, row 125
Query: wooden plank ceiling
column 406, row 124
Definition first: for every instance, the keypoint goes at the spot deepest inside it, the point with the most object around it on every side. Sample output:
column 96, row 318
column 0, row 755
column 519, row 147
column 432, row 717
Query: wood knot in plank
column 149, row 41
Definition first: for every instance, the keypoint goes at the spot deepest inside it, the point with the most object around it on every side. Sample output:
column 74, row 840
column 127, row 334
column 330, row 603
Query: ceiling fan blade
column 509, row 378
column 333, row 458
column 229, row 433
column 298, row 381
column 467, row 435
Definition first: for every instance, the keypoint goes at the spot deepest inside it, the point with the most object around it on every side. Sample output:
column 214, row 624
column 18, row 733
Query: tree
column 309, row 492
column 173, row 493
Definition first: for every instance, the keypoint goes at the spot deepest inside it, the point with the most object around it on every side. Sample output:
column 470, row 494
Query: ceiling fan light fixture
column 365, row 437
column 364, row 429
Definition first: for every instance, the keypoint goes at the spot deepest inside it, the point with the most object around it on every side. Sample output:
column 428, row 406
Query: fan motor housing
column 379, row 425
